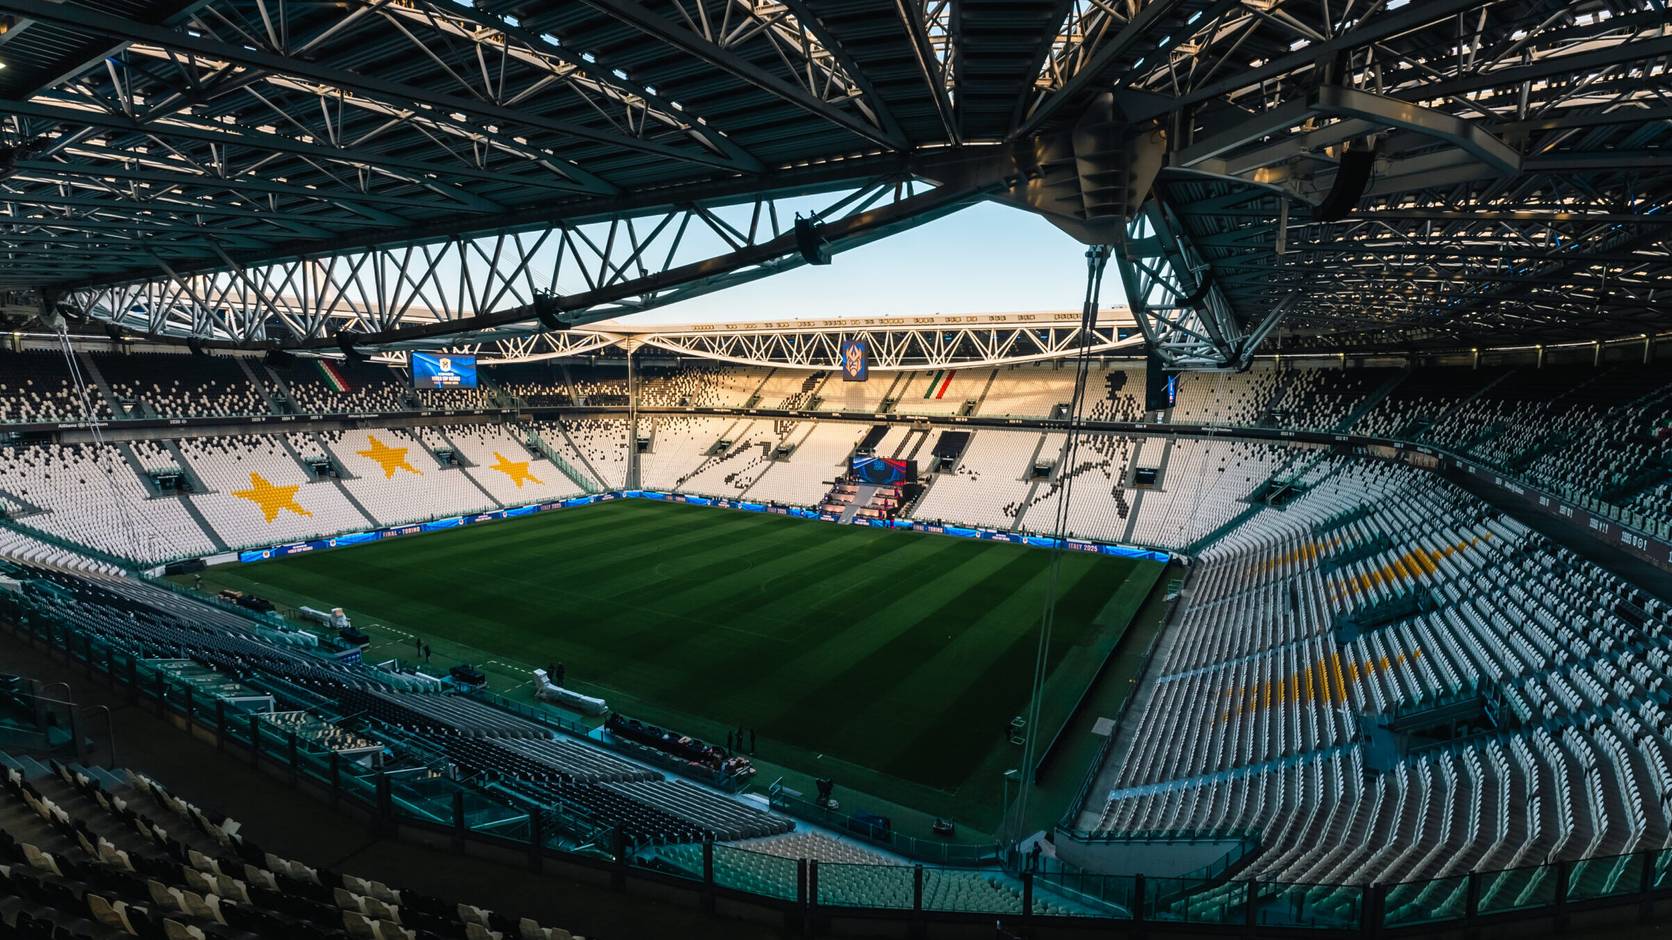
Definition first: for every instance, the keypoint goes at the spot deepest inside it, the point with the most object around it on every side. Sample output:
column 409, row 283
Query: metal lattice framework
column 1371, row 173
column 496, row 285
column 893, row 343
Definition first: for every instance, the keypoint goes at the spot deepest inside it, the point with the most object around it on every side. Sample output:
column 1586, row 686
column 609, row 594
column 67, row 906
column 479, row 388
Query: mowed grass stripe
column 824, row 690
column 991, row 658
column 900, row 652
column 950, row 647
column 748, row 594
column 837, row 610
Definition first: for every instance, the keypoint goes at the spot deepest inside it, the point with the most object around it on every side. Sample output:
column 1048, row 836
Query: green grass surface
column 893, row 661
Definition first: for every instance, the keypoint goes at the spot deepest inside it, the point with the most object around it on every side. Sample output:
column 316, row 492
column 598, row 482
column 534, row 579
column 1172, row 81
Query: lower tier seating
column 1260, row 709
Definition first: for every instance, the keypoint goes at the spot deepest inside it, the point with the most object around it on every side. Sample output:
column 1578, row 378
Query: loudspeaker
column 1350, row 182
column 196, row 346
column 113, row 331
column 545, row 310
column 814, row 249
column 278, row 358
column 346, row 344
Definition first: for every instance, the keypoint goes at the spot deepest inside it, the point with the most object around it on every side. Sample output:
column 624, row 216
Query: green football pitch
column 863, row 654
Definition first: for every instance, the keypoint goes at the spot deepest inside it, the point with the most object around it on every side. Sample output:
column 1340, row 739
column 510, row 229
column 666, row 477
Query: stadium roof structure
column 898, row 343
column 1364, row 173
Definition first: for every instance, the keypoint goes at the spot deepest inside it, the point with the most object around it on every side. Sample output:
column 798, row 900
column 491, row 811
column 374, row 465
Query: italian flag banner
column 332, row 375
column 939, row 383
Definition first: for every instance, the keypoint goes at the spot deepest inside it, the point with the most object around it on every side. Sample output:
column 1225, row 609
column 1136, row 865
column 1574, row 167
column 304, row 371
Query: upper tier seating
column 786, row 389
column 690, row 387
column 599, row 385
column 838, row 395
column 370, row 388
column 1234, row 398
column 181, row 385
column 940, row 392
column 36, row 387
column 1031, row 391
column 1324, row 399
column 1580, row 431
column 454, row 399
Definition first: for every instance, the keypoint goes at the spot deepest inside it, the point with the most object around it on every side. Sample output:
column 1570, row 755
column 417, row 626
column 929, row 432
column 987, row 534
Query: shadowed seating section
column 91, row 853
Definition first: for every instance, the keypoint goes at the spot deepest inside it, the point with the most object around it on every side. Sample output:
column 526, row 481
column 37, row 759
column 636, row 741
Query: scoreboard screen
column 884, row 471
column 433, row 370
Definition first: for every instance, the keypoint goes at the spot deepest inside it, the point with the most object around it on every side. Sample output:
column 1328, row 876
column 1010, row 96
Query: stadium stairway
column 1370, row 401
column 860, row 500
column 138, row 468
column 580, row 452
column 1033, row 487
column 896, row 385
column 343, row 473
column 290, row 449
column 538, row 447
column 1231, row 524
column 1138, row 494
column 359, row 507
column 981, row 399
column 202, row 521
column 462, row 469
column 90, row 370
column 281, row 394
column 1274, row 405
column 917, row 445
column 256, row 383
column 186, row 469
column 568, row 386
column 16, row 506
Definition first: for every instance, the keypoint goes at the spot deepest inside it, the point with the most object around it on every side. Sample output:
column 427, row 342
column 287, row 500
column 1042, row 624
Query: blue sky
column 985, row 259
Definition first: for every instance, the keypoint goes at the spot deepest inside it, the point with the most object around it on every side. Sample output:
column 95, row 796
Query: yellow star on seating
column 271, row 498
column 517, row 471
column 389, row 458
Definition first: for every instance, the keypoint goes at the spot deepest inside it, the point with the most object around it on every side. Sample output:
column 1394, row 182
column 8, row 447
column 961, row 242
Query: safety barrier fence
column 404, row 787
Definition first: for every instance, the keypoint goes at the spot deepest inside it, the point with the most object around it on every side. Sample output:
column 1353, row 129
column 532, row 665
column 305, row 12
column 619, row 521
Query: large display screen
column 1161, row 385
column 883, row 471
column 439, row 370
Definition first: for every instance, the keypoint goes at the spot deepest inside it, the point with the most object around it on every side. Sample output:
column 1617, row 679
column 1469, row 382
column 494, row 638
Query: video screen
column 439, row 370
column 1161, row 385
column 883, row 471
